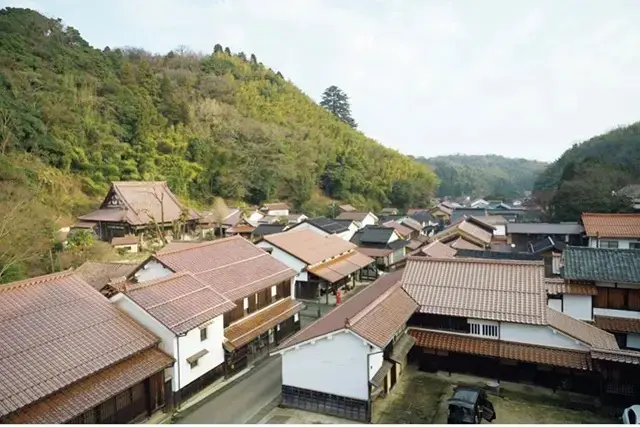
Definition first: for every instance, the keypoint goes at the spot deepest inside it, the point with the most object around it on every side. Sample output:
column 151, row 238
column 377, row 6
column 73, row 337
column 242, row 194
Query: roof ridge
column 37, row 280
column 477, row 261
column 199, row 245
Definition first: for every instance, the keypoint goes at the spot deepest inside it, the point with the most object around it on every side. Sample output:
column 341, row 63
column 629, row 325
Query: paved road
column 243, row 400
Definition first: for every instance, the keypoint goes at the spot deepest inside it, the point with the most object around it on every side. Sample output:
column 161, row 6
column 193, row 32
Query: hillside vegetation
column 212, row 125
column 484, row 176
column 73, row 118
column 584, row 177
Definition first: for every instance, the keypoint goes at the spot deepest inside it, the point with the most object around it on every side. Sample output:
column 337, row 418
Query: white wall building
column 187, row 315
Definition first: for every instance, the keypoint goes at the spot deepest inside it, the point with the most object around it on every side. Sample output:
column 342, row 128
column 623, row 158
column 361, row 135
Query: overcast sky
column 427, row 77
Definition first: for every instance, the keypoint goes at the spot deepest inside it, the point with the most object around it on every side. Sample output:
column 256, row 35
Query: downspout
column 184, row 334
column 369, row 403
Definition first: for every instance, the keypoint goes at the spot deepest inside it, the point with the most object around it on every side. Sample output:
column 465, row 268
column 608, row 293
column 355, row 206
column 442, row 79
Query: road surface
column 242, row 400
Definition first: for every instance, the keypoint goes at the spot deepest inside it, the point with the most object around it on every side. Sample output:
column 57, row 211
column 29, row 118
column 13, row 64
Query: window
column 634, row 245
column 193, row 363
column 609, row 244
column 203, row 334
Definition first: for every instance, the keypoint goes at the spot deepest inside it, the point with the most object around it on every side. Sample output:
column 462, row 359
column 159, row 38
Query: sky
column 426, row 77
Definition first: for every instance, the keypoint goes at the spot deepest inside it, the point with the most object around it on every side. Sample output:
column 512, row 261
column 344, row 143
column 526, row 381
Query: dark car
column 469, row 405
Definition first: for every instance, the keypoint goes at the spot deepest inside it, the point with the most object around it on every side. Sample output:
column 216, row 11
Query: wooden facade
column 132, row 405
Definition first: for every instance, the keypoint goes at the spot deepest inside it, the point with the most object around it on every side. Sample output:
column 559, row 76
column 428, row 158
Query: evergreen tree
column 336, row 101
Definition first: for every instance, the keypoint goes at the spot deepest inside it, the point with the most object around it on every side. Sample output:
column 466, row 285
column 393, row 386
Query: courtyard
column 420, row 398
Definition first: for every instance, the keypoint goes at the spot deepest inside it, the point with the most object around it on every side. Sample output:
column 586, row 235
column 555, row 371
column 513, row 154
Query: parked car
column 469, row 405
column 631, row 415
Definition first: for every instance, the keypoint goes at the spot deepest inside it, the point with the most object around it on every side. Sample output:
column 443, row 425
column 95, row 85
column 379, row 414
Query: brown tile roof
column 468, row 229
column 436, row 249
column 595, row 337
column 353, row 216
column 506, row 350
column 309, row 246
column 412, row 223
column 558, row 286
column 617, row 356
column 502, row 290
column 248, row 328
column 56, row 330
column 462, row 243
column 74, row 400
column 130, row 239
column 401, row 229
column 180, row 302
column 140, row 201
column 341, row 267
column 232, row 266
column 98, row 274
column 611, row 225
column 278, row 206
column 372, row 313
column 618, row 324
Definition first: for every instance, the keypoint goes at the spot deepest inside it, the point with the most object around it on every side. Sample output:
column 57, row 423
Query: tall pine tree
column 336, row 101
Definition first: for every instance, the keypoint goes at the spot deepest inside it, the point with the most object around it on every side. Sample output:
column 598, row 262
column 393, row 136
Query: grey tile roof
column 602, row 265
column 544, row 228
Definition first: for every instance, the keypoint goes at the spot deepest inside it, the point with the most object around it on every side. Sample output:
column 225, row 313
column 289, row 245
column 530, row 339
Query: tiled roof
column 341, row 267
column 180, row 302
column 618, row 356
column 140, row 202
column 436, row 249
column 595, row 337
column 544, row 228
column 506, row 350
column 248, row 328
column 328, row 225
column 57, row 330
column 602, row 265
column 232, row 266
column 265, row 229
column 559, row 286
column 98, row 274
column 463, row 227
column 462, row 243
column 412, row 223
column 618, row 324
column 354, row 216
column 611, row 225
column 92, row 391
column 401, row 229
column 308, row 246
column 502, row 290
column 278, row 206
column 372, row 295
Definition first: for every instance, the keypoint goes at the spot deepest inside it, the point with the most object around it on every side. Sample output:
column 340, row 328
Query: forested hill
column 583, row 178
column 484, row 176
column 215, row 124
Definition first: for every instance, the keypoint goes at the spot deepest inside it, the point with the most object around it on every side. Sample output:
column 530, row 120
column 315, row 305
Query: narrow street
column 243, row 400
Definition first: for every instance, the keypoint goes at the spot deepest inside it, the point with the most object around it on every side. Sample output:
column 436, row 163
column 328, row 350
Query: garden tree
column 337, row 102
column 220, row 211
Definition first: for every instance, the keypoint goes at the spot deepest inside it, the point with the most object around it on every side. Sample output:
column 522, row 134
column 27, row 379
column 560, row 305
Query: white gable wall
column 190, row 344
column 151, row 270
column 336, row 366
column 289, row 260
column 538, row 335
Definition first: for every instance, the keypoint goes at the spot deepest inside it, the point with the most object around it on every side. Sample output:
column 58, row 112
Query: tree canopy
column 483, row 176
column 587, row 177
column 337, row 102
